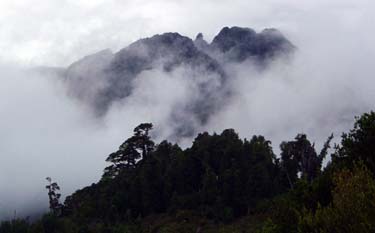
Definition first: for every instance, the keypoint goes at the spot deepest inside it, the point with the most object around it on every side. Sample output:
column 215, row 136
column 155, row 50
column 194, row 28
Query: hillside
column 223, row 184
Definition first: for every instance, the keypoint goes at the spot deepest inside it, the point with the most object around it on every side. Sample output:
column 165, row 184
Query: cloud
column 59, row 32
column 44, row 133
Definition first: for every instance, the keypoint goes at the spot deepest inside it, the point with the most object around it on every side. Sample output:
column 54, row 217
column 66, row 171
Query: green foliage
column 353, row 206
column 14, row 226
column 136, row 147
column 221, row 177
column 283, row 212
column 300, row 156
column 269, row 227
column 222, row 184
column 359, row 143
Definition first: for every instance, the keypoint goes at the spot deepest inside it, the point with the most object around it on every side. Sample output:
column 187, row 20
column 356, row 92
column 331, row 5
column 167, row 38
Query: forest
column 222, row 183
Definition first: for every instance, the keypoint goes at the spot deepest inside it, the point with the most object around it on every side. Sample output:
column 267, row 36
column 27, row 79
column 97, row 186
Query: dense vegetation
column 223, row 184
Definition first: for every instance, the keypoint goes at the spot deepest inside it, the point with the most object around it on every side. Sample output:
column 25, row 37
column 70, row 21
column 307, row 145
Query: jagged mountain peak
column 239, row 44
column 105, row 77
column 199, row 36
column 200, row 43
column 231, row 37
column 172, row 47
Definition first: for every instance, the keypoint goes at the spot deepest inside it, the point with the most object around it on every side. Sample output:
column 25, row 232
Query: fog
column 43, row 132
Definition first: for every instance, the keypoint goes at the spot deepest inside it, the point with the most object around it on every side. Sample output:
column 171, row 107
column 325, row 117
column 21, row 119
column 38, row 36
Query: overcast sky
column 43, row 133
column 57, row 32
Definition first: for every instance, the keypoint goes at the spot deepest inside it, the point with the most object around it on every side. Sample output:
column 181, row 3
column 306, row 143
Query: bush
column 353, row 206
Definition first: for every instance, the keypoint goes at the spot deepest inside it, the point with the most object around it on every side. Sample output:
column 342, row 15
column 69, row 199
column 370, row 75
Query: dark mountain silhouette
column 104, row 78
column 167, row 52
column 239, row 44
column 200, row 43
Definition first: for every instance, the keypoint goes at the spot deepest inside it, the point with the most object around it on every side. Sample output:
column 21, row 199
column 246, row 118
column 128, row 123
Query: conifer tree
column 133, row 149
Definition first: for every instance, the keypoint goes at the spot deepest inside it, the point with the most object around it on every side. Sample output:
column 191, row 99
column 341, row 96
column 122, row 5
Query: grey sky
column 57, row 32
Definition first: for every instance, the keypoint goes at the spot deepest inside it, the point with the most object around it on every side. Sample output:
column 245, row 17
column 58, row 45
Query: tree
column 353, row 206
column 261, row 169
column 133, row 149
column 125, row 157
column 15, row 226
column 359, row 143
column 300, row 156
column 142, row 139
column 54, row 197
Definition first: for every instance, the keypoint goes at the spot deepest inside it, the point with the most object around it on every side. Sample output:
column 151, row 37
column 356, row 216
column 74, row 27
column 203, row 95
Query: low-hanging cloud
column 44, row 133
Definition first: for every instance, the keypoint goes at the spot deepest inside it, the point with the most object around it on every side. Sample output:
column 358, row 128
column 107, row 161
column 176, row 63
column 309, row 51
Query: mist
column 44, row 132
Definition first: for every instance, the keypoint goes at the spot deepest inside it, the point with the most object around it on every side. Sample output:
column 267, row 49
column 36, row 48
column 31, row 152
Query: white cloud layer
column 58, row 32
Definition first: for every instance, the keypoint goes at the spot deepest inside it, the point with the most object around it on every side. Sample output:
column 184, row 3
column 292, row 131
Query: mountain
column 86, row 79
column 239, row 44
column 104, row 78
